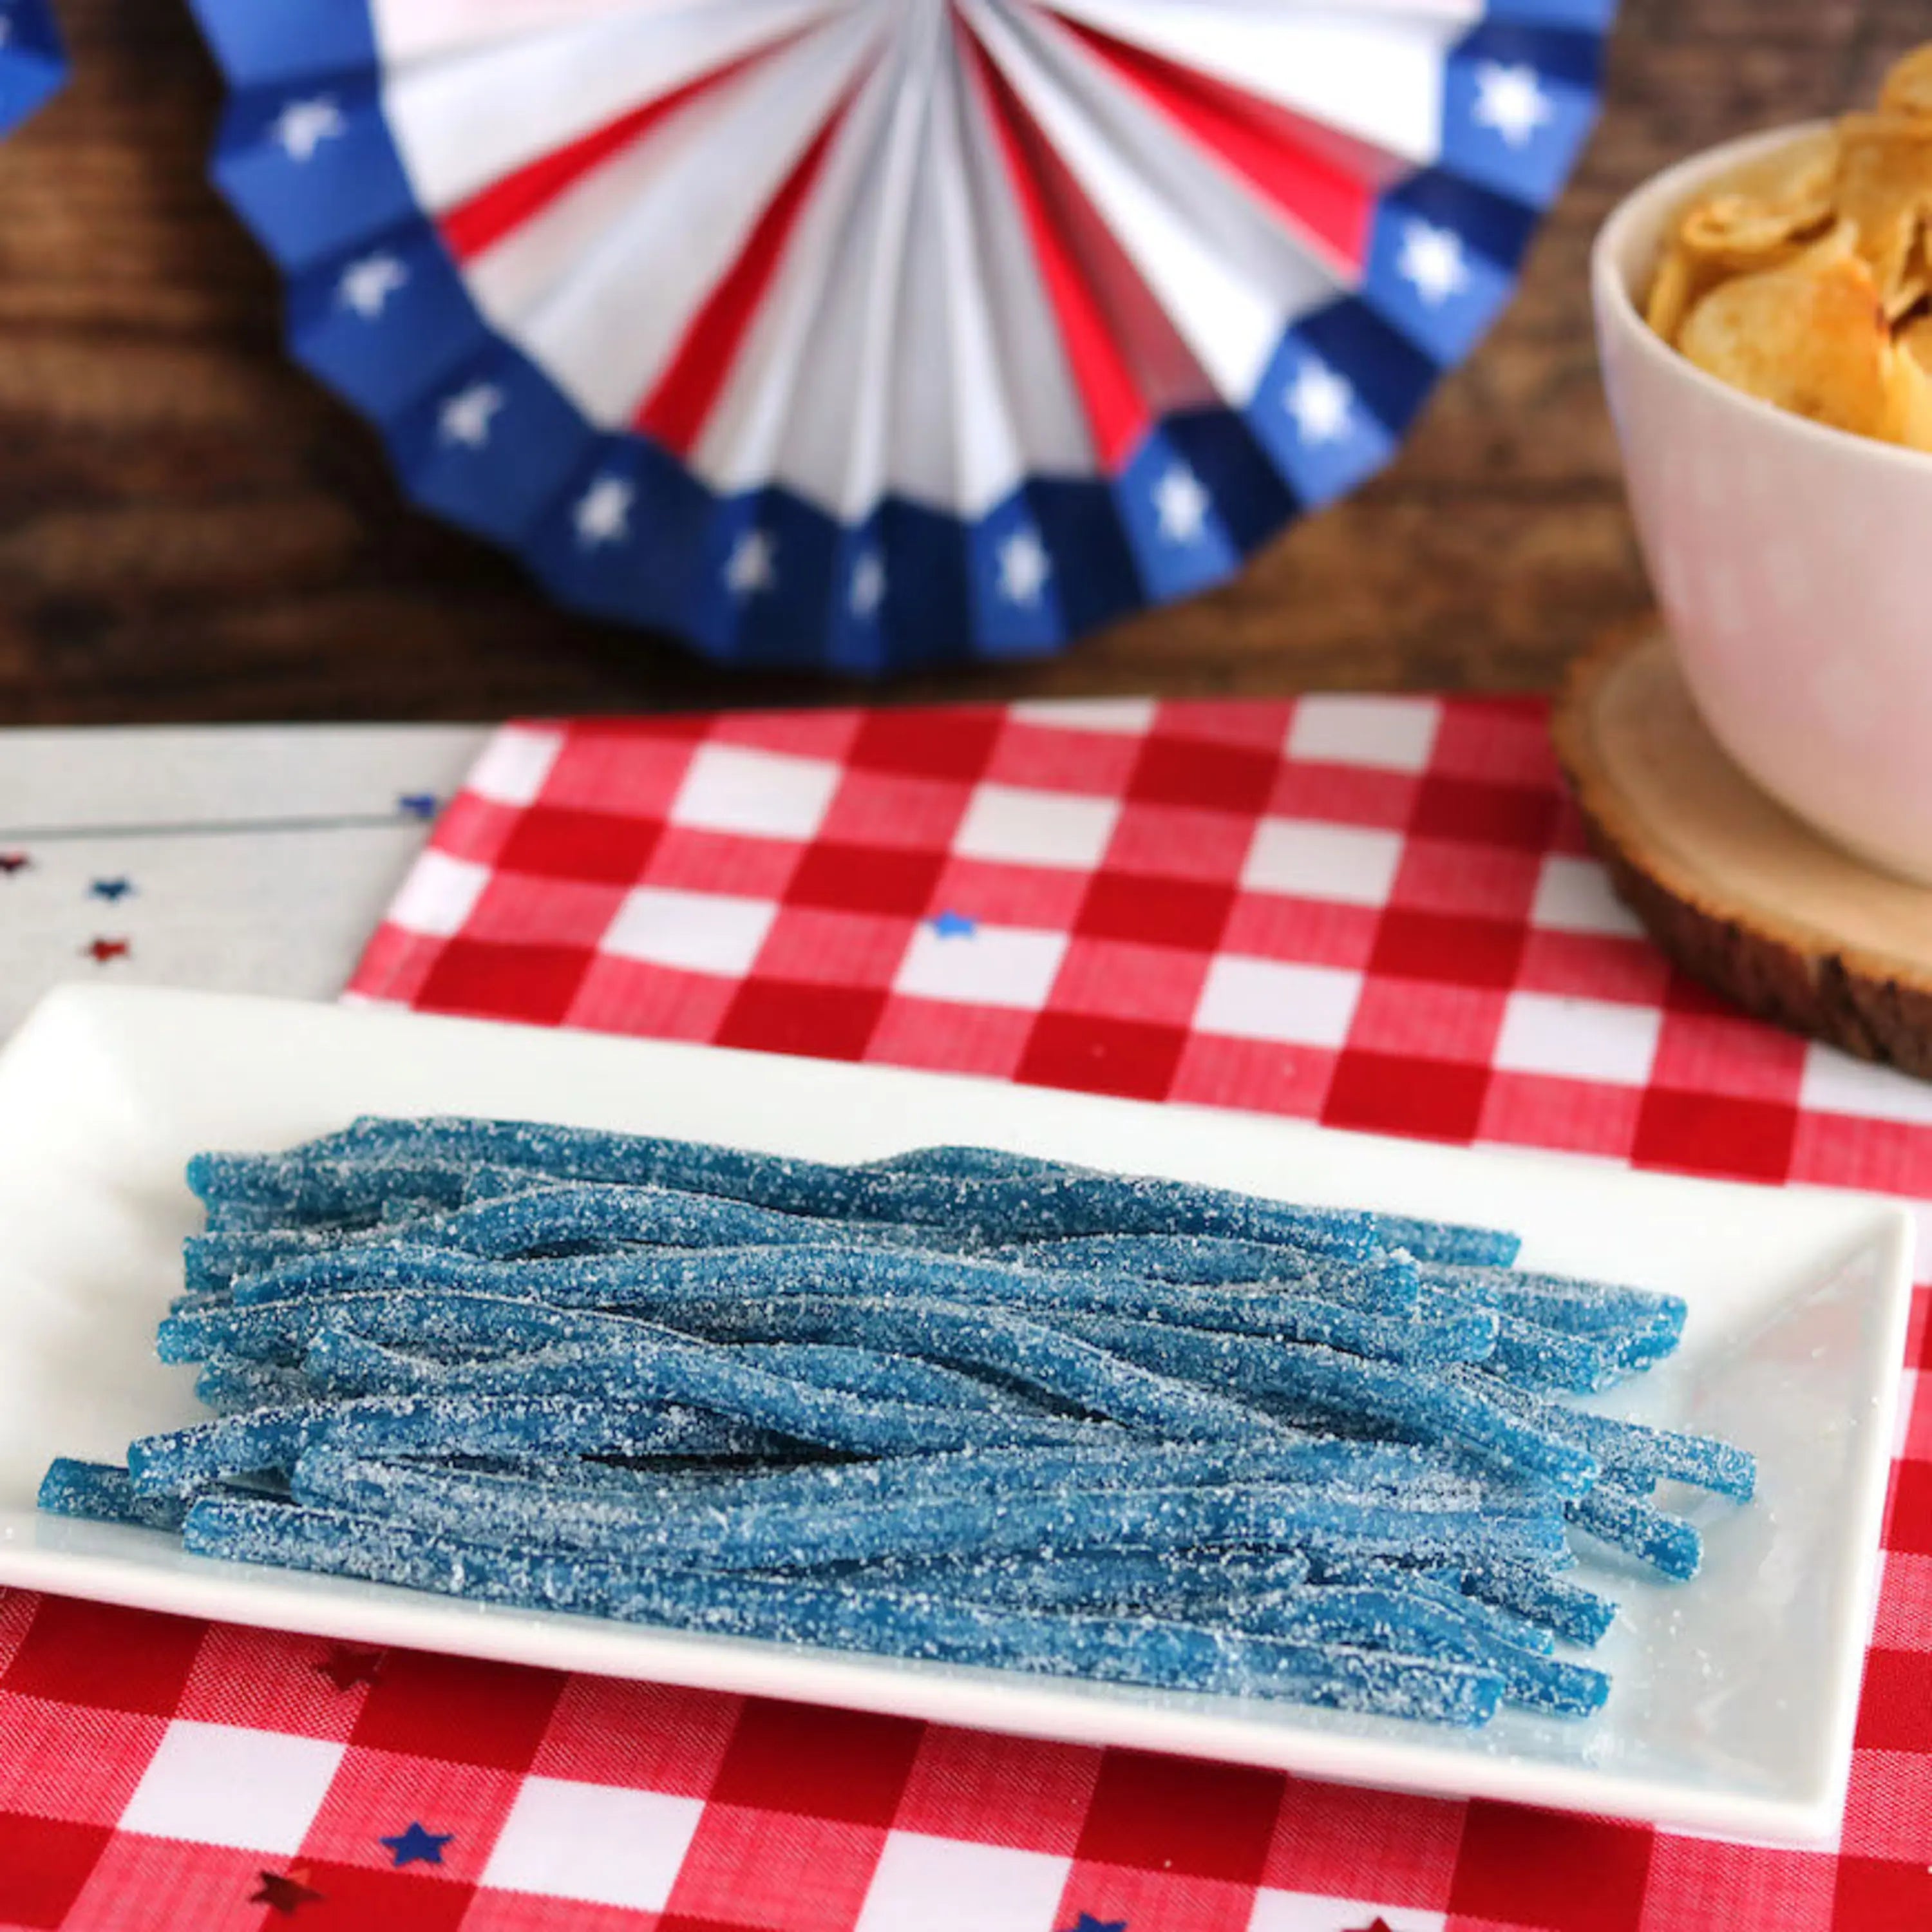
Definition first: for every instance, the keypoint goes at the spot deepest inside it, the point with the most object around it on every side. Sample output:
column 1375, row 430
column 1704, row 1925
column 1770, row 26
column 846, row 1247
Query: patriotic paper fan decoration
column 32, row 64
column 869, row 334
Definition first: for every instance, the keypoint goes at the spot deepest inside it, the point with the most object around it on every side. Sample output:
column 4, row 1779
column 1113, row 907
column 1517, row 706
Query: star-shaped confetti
column 11, row 863
column 418, row 1846
column 418, row 804
column 101, row 951
column 950, row 925
column 285, row 1892
column 1088, row 1923
column 345, row 1668
column 111, row 889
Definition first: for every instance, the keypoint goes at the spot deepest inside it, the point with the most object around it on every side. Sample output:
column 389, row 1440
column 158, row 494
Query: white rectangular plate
column 1735, row 1696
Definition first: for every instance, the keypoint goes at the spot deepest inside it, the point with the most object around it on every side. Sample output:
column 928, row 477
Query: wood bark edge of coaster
column 1743, row 896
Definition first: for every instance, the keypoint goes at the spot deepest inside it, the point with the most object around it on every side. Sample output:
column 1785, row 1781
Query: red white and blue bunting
column 32, row 64
column 874, row 334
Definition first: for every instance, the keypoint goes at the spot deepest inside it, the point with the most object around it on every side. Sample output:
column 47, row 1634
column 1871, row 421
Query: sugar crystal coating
column 957, row 1404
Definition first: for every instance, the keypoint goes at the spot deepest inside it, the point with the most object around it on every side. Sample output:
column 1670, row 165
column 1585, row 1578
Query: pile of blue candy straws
column 959, row 1405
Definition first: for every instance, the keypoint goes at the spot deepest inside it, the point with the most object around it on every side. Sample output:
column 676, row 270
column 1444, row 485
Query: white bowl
column 1793, row 562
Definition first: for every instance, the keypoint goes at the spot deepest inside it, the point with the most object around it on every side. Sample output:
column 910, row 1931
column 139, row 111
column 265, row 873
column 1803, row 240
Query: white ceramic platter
column 1734, row 1696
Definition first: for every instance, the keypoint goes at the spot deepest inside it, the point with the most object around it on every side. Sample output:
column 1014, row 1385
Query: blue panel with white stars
column 614, row 524
column 33, row 63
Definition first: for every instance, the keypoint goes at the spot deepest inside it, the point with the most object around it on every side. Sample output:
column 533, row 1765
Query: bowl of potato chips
column 1765, row 315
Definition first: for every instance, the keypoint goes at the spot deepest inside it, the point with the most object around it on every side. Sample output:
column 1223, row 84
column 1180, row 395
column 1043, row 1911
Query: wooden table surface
column 189, row 528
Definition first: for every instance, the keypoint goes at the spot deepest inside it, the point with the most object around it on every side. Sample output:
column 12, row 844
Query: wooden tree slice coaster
column 1739, row 893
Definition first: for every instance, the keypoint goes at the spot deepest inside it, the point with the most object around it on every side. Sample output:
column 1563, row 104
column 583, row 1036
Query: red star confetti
column 11, row 863
column 285, row 1892
column 345, row 1668
column 102, row 950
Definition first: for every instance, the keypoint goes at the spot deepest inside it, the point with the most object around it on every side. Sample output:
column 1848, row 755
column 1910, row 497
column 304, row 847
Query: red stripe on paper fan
column 474, row 227
column 1319, row 196
column 676, row 411
column 1117, row 409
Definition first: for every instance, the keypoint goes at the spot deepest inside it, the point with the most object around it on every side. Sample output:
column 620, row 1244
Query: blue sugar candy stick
column 672, row 1369
column 1634, row 1453
column 1122, row 1650
column 1576, row 1615
column 179, row 1460
column 449, row 1324
column 1374, row 1280
column 217, row 1260
column 985, row 1190
column 1348, row 1389
column 1614, row 1516
column 1562, row 1301
column 296, row 1187
column 664, row 1280
column 1163, row 1581
column 1534, row 1357
column 1412, row 1625
column 1445, row 1592
column 872, row 1372
column 1047, row 1359
column 104, row 1493
column 232, row 1387
column 750, row 1534
column 1387, row 1470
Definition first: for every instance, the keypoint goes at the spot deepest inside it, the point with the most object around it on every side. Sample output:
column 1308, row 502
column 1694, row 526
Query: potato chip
column 1675, row 287
column 1810, row 337
column 1737, row 234
column 1805, row 278
column 1908, row 87
column 1908, row 400
column 1884, row 185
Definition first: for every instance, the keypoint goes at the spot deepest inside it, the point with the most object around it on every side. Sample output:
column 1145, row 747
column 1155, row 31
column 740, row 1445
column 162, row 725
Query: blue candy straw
column 1576, row 1615
column 1614, row 1516
column 104, row 1493
column 1133, row 1650
column 751, row 1534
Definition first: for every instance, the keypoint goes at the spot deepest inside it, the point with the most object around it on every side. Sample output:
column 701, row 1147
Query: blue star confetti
column 1088, row 1923
column 418, row 804
column 417, row 1847
column 951, row 925
column 111, row 890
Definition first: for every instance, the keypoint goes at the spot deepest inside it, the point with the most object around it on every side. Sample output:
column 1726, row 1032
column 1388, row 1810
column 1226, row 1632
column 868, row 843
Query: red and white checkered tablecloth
column 1375, row 912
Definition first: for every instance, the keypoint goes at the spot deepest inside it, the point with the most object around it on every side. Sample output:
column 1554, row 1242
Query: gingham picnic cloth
column 1377, row 913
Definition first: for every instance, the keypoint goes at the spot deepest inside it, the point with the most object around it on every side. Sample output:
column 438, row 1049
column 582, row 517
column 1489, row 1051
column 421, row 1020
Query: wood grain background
column 189, row 528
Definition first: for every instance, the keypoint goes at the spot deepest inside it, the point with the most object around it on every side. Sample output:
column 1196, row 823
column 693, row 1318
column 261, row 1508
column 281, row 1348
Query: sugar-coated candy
column 748, row 1532
column 1613, row 1515
column 1635, row 1453
column 1575, row 1614
column 105, row 1493
column 957, row 1403
column 1129, row 1650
